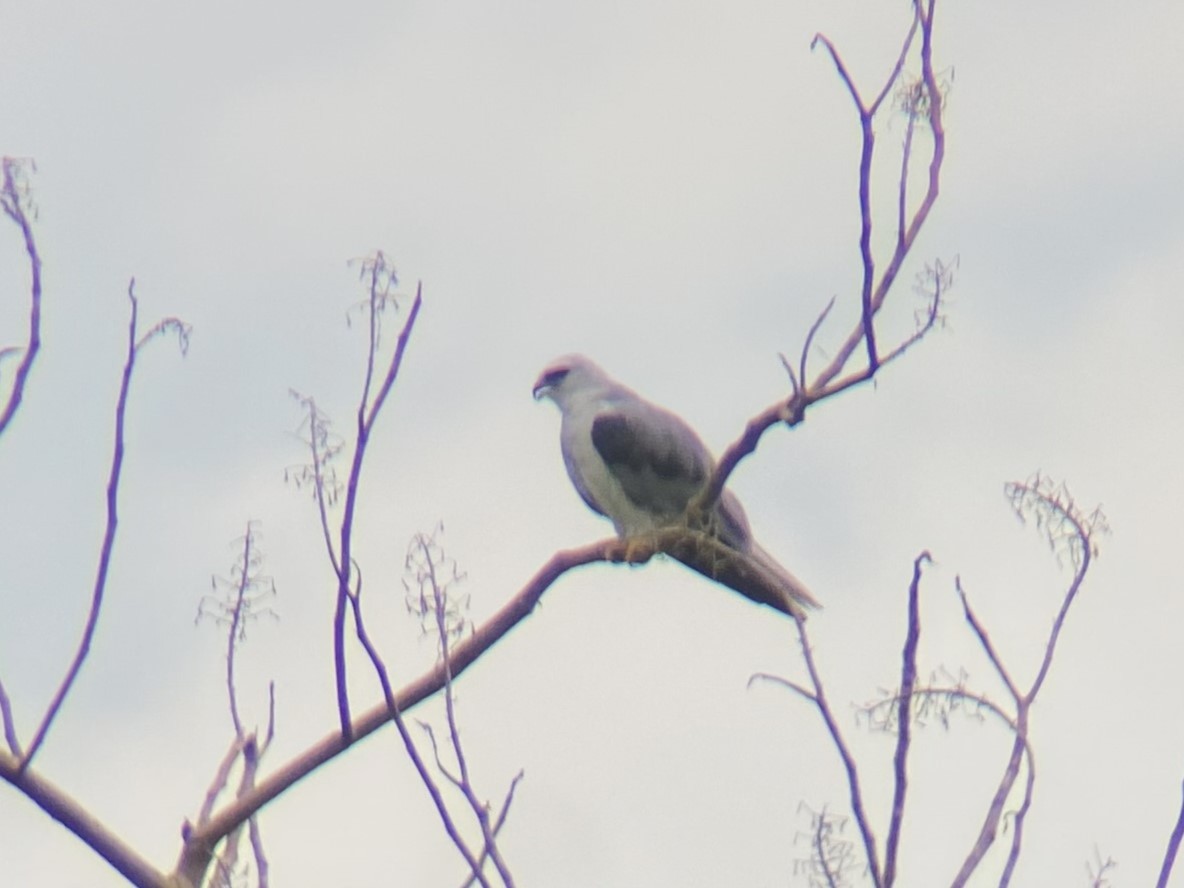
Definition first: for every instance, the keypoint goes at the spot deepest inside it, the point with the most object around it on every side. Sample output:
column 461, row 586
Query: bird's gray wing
column 657, row 458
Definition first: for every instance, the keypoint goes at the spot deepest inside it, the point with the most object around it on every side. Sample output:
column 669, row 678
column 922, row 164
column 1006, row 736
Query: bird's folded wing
column 754, row 575
column 657, row 459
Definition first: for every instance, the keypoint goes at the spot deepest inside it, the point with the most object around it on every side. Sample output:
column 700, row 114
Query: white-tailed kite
column 640, row 466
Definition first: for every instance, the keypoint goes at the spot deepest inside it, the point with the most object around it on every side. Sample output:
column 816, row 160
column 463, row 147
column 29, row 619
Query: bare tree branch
column 831, row 856
column 1069, row 531
column 818, row 697
column 382, row 277
column 984, row 640
column 195, row 854
column 243, row 593
column 108, row 546
column 908, row 680
column 1099, row 870
column 16, row 204
column 424, row 560
column 240, row 604
column 319, row 473
column 875, row 288
column 395, row 714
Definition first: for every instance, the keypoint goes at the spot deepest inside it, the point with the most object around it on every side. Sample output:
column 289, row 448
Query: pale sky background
column 670, row 189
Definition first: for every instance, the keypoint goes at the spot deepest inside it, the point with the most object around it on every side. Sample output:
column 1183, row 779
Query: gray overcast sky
column 670, row 189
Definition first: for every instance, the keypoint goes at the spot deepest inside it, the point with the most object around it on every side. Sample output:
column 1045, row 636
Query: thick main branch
column 201, row 841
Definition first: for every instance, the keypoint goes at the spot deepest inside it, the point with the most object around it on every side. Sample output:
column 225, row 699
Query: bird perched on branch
column 642, row 466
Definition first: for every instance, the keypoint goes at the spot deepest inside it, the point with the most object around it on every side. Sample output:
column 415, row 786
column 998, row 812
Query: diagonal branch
column 59, row 805
column 195, row 854
column 819, row 699
column 426, row 558
column 108, row 545
column 984, row 640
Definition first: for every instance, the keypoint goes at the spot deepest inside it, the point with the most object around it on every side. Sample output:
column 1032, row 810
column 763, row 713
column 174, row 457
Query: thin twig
column 318, row 435
column 480, row 811
column 949, row 694
column 1059, row 622
column 820, row 850
column 984, row 640
column 1098, row 876
column 798, row 689
column 818, row 321
column 901, row 58
column 10, row 735
column 14, row 200
column 232, row 630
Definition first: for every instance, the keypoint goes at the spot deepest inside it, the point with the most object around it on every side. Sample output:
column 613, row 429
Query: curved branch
column 108, row 545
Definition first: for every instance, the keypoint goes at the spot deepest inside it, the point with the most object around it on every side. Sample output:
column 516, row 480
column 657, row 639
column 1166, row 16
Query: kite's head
column 566, row 376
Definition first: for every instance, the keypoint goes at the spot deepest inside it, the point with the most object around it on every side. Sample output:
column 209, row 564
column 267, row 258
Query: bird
column 640, row 466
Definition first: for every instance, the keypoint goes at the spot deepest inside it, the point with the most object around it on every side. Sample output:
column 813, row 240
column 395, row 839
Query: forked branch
column 1071, row 532
column 834, row 377
column 382, row 279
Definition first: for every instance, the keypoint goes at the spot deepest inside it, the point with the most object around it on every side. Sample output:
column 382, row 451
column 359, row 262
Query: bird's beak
column 540, row 390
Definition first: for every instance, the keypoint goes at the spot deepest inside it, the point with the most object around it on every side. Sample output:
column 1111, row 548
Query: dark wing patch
column 659, row 462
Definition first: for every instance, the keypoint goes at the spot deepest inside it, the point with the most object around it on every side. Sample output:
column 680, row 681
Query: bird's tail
column 754, row 573
column 794, row 588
